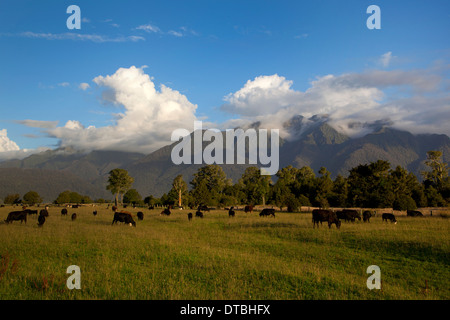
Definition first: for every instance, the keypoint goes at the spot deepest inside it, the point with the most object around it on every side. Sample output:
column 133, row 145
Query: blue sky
column 207, row 51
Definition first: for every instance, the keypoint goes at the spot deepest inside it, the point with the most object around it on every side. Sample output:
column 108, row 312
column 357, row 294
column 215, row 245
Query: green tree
column 12, row 199
column 439, row 171
column 208, row 184
column 255, row 186
column 118, row 183
column 339, row 192
column 304, row 183
column 63, row 197
column 132, row 196
column 86, row 199
column 323, row 188
column 369, row 185
column 75, row 197
column 281, row 193
column 180, row 187
column 150, row 200
column 201, row 194
column 403, row 184
column 32, row 197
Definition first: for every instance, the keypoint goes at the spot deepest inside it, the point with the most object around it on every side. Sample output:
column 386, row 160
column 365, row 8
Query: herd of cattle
column 318, row 215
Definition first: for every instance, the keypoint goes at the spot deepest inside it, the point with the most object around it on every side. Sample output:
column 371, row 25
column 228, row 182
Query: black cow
column 75, row 206
column 94, row 213
column 166, row 212
column 43, row 213
column 231, row 212
column 199, row 214
column 30, row 212
column 41, row 220
column 366, row 216
column 267, row 212
column 413, row 213
column 319, row 215
column 140, row 215
column 388, row 216
column 123, row 217
column 74, row 216
column 64, row 212
column 203, row 208
column 190, row 216
column 248, row 209
column 16, row 215
column 348, row 215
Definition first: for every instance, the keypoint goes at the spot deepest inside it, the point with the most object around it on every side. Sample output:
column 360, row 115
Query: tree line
column 373, row 185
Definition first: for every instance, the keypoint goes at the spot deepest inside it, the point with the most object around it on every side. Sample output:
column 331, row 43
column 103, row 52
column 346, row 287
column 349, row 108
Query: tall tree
column 210, row 178
column 439, row 170
column 323, row 188
column 369, row 185
column 119, row 182
column 180, row 187
column 255, row 186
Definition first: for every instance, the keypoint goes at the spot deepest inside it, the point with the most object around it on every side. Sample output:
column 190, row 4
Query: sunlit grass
column 217, row 257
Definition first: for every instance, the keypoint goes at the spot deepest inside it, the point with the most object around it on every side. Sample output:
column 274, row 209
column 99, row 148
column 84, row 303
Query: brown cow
column 248, row 209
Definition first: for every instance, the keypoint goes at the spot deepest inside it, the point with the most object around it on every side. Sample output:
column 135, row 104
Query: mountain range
column 316, row 144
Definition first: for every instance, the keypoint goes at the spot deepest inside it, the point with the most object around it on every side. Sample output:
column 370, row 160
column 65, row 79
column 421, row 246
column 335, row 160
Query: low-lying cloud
column 352, row 103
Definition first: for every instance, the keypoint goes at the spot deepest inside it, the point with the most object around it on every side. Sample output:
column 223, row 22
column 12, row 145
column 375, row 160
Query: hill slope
column 52, row 172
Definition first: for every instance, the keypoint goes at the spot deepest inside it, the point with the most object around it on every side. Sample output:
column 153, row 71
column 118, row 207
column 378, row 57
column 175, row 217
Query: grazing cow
column 166, row 212
column 30, row 212
column 114, row 208
column 388, row 216
column 41, row 220
column 267, row 212
column 140, row 215
column 94, row 213
column 248, row 209
column 319, row 215
column 123, row 217
column 75, row 206
column 64, row 212
column 16, row 215
column 413, row 213
column 366, row 216
column 199, row 214
column 231, row 212
column 151, row 207
column 74, row 216
column 44, row 212
column 190, row 216
column 203, row 208
column 348, row 215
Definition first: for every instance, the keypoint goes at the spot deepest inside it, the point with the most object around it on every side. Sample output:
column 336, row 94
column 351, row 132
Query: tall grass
column 217, row 257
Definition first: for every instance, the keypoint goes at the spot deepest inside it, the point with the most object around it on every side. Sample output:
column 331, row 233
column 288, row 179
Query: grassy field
column 217, row 257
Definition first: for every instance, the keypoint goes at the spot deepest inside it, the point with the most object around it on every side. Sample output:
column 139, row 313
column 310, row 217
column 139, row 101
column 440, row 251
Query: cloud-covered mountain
column 318, row 144
column 143, row 117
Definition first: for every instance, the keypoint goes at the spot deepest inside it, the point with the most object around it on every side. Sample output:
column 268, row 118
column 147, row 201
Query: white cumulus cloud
column 352, row 102
column 7, row 144
column 84, row 86
column 148, row 118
